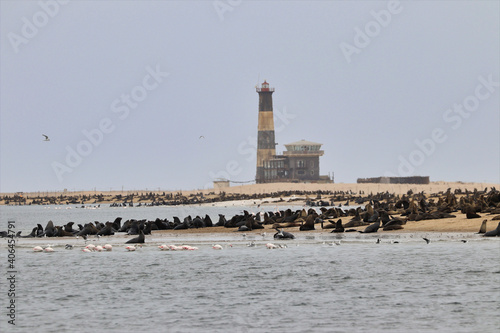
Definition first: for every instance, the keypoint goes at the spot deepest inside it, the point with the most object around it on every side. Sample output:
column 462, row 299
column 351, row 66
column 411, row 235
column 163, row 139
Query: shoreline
column 232, row 193
column 280, row 196
column 238, row 240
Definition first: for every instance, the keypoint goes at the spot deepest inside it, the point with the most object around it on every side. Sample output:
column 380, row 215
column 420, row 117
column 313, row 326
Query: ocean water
column 309, row 286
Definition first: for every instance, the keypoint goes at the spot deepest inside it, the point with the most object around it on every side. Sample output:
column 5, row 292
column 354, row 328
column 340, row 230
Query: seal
column 309, row 223
column 125, row 226
column 50, row 230
column 371, row 228
column 88, row 229
column 198, row 222
column 117, row 223
column 148, row 227
column 208, row 221
column 222, row 221
column 470, row 213
column 183, row 225
column 69, row 227
column 482, row 230
column 39, row 231
column 338, row 227
column 244, row 228
column 134, row 228
column 355, row 221
column 107, row 230
column 330, row 225
column 283, row 235
column 137, row 240
column 60, row 232
column 33, row 233
column 394, row 224
column 493, row 233
column 255, row 224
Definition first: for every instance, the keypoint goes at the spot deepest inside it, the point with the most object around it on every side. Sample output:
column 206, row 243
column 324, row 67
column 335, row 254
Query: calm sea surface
column 310, row 286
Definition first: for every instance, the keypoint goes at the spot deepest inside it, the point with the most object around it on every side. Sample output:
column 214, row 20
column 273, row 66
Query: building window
column 312, row 172
column 311, row 164
column 300, row 164
column 300, row 172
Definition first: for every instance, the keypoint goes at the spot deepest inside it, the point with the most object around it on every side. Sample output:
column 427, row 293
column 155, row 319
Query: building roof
column 303, row 143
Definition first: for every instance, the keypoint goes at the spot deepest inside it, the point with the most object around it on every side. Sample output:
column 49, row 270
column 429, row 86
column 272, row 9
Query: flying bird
column 201, row 137
column 46, row 138
column 426, row 240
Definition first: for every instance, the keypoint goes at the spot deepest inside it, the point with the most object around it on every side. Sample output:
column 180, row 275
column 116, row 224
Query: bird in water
column 68, row 247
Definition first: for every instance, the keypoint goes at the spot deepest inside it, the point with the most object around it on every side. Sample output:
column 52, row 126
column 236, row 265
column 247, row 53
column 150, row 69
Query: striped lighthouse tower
column 266, row 147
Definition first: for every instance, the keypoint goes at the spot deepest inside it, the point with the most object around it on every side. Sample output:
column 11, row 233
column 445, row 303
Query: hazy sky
column 125, row 89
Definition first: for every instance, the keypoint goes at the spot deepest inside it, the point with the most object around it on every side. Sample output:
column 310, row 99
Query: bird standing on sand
column 46, row 138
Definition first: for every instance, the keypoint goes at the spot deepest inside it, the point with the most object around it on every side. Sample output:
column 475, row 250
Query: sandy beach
column 271, row 197
column 433, row 187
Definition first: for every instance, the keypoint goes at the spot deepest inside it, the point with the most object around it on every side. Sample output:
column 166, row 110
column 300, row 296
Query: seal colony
column 261, row 193
column 374, row 212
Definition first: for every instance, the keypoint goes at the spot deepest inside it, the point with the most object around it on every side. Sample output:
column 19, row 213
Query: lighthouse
column 266, row 145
